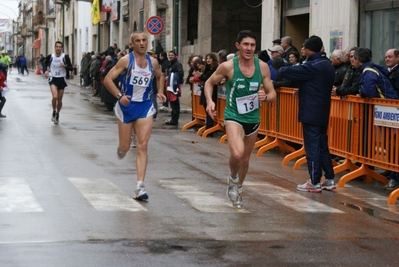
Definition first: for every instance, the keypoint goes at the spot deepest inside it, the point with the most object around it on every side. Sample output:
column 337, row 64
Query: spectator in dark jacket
column 392, row 63
column 340, row 66
column 175, row 74
column 106, row 97
column 350, row 84
column 279, row 81
column 316, row 78
column 373, row 79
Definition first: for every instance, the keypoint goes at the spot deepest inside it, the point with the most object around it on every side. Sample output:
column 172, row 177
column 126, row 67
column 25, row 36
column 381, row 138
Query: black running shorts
column 59, row 82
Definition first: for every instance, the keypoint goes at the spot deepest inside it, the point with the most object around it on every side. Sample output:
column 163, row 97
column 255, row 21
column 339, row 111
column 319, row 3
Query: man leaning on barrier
column 316, row 78
column 374, row 82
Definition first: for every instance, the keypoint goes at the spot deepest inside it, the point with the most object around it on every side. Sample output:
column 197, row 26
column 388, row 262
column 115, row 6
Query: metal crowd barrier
column 363, row 131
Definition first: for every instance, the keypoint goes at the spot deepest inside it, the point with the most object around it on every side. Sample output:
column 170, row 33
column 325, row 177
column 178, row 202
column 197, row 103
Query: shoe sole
column 329, row 187
column 143, row 197
column 310, row 190
column 238, row 206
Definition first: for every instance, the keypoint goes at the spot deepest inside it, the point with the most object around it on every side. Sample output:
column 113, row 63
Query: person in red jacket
column 2, row 85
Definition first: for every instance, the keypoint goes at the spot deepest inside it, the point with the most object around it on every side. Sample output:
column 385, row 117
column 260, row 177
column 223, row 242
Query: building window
column 297, row 3
column 192, row 21
column 382, row 32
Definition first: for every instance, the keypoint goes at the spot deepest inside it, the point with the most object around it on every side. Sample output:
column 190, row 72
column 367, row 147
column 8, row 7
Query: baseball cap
column 277, row 48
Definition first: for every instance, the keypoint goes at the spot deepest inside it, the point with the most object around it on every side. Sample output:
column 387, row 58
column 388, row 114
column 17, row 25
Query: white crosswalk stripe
column 204, row 201
column 292, row 200
column 103, row 195
column 17, row 196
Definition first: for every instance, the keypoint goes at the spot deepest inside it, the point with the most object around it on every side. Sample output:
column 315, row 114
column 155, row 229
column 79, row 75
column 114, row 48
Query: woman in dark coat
column 212, row 63
column 106, row 97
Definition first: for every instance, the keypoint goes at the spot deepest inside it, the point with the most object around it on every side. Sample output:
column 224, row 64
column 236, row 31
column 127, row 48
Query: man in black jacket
column 174, row 78
column 392, row 63
column 350, row 84
column 316, row 78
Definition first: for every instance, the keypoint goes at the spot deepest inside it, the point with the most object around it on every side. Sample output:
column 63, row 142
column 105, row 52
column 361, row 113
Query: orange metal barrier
column 197, row 109
column 286, row 126
column 219, row 119
column 355, row 132
column 267, row 125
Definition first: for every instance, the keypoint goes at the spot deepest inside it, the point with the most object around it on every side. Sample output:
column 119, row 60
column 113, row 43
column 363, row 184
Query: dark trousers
column 317, row 152
column 175, row 105
column 2, row 101
column 24, row 68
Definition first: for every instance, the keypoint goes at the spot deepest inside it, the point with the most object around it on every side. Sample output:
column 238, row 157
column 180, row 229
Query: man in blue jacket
column 374, row 82
column 315, row 78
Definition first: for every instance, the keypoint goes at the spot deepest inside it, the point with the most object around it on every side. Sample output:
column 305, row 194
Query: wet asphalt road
column 65, row 200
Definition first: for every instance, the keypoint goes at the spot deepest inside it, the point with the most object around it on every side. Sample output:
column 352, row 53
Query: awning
column 36, row 44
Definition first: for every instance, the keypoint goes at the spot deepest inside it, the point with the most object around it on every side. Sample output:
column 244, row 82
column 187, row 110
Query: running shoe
column 234, row 192
column 328, row 184
column 238, row 204
column 392, row 185
column 232, row 188
column 140, row 194
column 119, row 154
column 309, row 187
column 57, row 118
column 134, row 141
column 53, row 116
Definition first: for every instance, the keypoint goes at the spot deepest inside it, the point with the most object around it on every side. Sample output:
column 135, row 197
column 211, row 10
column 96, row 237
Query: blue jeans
column 317, row 152
column 394, row 176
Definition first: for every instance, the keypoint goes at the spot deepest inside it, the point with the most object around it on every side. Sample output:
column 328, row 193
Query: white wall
column 84, row 30
column 338, row 15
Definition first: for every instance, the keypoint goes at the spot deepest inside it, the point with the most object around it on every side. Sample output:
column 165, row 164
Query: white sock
column 140, row 184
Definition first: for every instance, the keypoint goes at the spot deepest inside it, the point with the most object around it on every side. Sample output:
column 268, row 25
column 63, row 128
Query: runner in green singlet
column 247, row 85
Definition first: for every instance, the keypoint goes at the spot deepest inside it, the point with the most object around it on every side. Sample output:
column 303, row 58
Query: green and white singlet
column 242, row 103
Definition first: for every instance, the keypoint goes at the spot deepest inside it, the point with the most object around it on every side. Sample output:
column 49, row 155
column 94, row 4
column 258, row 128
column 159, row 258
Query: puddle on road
column 369, row 211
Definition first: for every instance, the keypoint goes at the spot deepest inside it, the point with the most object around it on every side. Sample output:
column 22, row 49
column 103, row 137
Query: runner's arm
column 114, row 73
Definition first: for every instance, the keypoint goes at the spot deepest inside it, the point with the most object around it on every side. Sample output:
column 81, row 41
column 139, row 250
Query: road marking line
column 105, row 196
column 17, row 196
column 292, row 200
column 203, row 201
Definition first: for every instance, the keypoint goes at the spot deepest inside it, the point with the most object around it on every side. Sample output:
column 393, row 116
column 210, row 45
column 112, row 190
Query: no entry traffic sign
column 154, row 25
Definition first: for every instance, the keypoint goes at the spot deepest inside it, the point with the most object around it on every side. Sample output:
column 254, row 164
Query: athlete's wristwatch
column 118, row 96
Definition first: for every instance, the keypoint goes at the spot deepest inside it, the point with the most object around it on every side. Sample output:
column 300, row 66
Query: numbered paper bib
column 140, row 78
column 247, row 103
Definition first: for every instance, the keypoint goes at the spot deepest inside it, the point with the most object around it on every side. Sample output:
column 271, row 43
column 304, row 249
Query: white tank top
column 55, row 67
